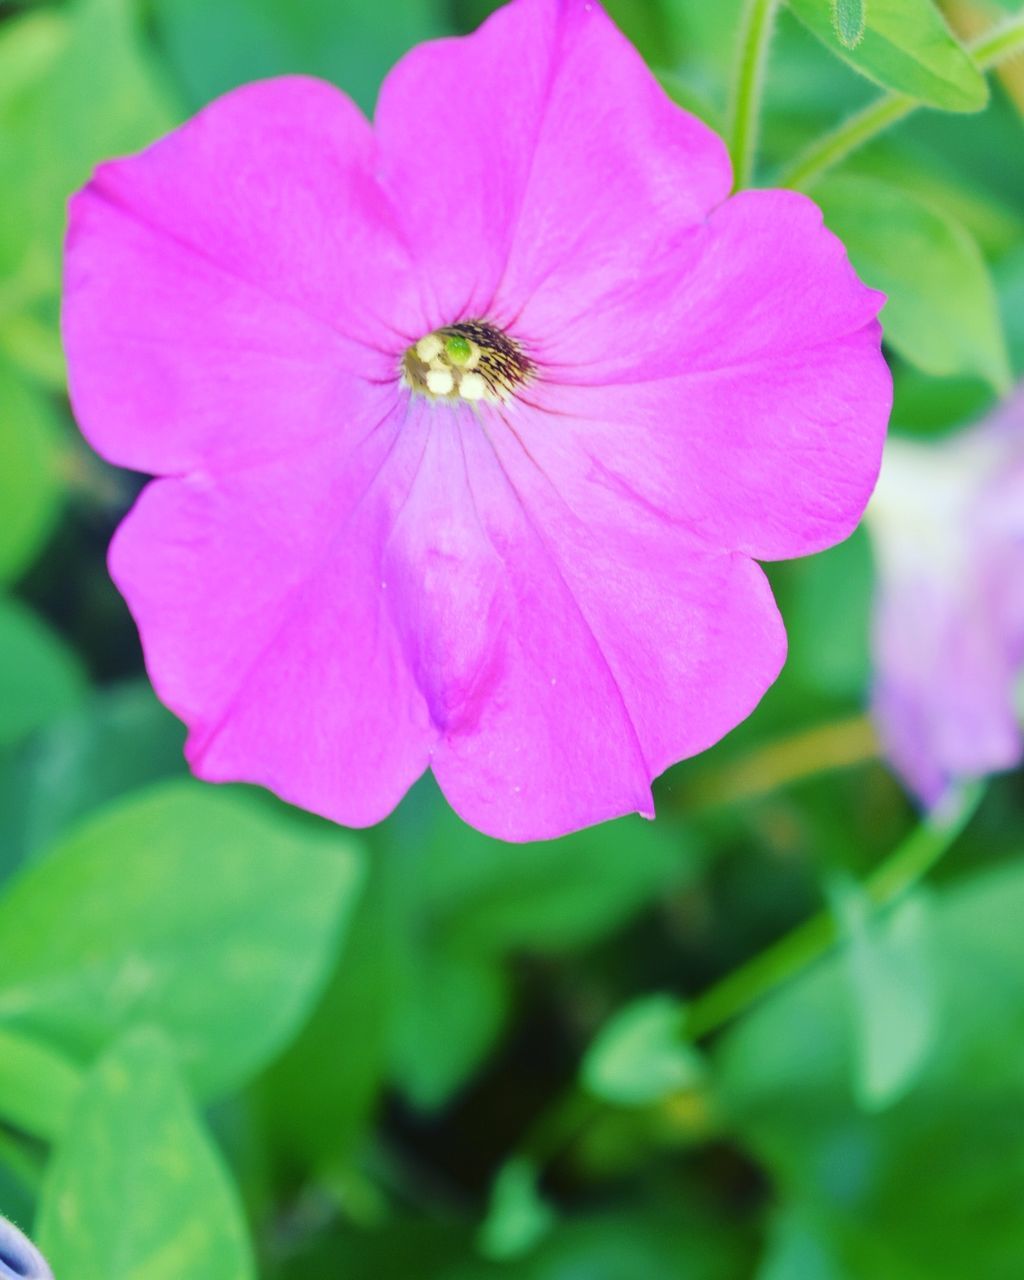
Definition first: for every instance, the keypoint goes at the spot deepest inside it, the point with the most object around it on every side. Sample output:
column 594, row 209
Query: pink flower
column 470, row 424
column 947, row 524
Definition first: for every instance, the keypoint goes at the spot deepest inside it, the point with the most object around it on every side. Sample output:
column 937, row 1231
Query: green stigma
column 457, row 348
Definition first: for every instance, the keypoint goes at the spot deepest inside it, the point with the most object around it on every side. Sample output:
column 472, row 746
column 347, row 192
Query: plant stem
column 1002, row 42
column 756, row 25
column 808, row 753
column 808, row 942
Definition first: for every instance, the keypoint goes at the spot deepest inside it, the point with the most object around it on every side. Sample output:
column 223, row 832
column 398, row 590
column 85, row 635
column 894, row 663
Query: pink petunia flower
column 947, row 526
column 471, row 424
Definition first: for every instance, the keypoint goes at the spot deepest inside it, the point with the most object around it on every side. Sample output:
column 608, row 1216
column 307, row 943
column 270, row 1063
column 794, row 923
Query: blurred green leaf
column 316, row 1099
column 90, row 92
column 29, row 472
column 518, row 1217
column 942, row 313
column 136, row 1188
column 459, row 902
column 555, row 895
column 117, row 739
column 40, row 678
column 37, row 1086
column 203, row 912
column 450, row 1009
column 641, row 1056
column 795, row 1253
column 213, row 48
column 827, row 610
column 906, row 46
column 849, row 17
column 625, row 1246
column 891, row 979
column 930, row 1186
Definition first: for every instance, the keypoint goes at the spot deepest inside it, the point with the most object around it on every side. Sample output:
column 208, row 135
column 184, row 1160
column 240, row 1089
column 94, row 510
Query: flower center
column 468, row 361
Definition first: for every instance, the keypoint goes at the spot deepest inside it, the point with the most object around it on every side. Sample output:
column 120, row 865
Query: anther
column 472, row 361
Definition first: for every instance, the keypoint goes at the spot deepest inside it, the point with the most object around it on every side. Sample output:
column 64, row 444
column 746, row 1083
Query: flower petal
column 944, row 679
column 534, row 738
column 545, row 145
column 263, row 618
column 224, row 288
column 691, row 635
column 747, row 398
column 567, row 659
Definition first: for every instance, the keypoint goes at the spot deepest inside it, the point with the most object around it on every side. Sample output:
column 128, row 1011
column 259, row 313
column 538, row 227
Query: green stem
column 756, row 24
column 809, row 941
column 993, row 47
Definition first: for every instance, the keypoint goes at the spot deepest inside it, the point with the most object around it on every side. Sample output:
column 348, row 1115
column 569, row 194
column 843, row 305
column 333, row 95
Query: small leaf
column 450, row 1010
column 641, row 1056
column 518, row 1217
column 136, row 1188
column 890, row 976
column 204, row 912
column 942, row 314
column 849, row 17
column 40, row 678
column 904, row 45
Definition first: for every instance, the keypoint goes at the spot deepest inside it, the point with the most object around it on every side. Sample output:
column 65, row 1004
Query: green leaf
column 891, row 980
column 136, row 1188
column 120, row 738
column 827, row 611
column 37, row 1086
column 555, row 895
column 213, row 48
column 906, row 46
column 317, row 1098
column 207, row 913
column 449, row 1011
column 29, row 475
column 40, row 679
column 942, row 314
column 937, row 1173
column 849, row 17
column 87, row 92
column 641, row 1056
column 518, row 1217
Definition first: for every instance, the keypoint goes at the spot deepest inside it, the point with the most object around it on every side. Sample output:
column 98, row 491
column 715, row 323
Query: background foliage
column 236, row 1041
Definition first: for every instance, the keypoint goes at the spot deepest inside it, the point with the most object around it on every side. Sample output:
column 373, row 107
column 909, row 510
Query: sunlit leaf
column 202, row 912
column 906, row 45
column 941, row 313
column 137, row 1188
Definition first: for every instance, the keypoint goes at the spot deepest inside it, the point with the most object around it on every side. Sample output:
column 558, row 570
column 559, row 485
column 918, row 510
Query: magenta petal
column 548, row 155
column 567, row 658
column 757, row 419
column 224, row 289
column 264, row 621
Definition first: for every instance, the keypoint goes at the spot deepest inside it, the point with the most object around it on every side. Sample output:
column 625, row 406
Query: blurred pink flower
column 471, row 424
column 947, row 525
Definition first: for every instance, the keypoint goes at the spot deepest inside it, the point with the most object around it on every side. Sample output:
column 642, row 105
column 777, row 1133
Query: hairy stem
column 1003, row 41
column 808, row 942
column 756, row 25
